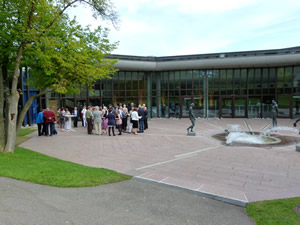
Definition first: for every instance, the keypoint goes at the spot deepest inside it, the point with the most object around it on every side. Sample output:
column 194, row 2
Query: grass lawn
column 275, row 212
column 34, row 167
column 25, row 131
column 31, row 166
column 22, row 135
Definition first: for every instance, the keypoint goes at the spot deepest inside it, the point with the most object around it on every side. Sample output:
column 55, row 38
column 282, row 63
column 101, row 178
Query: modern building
column 229, row 84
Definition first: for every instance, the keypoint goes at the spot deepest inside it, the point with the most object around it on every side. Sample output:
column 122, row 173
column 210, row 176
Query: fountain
column 237, row 136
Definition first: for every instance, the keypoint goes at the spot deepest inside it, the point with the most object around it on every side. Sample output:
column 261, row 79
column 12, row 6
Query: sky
column 186, row 27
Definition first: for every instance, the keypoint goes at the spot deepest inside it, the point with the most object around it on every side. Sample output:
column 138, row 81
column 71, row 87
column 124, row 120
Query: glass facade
column 226, row 92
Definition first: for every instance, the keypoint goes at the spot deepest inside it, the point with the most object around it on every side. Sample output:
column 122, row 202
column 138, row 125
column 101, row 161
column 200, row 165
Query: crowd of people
column 123, row 118
column 129, row 119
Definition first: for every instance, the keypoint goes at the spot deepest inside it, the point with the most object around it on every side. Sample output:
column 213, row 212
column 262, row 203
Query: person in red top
column 49, row 119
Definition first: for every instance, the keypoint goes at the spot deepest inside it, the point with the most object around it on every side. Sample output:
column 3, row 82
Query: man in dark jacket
column 142, row 119
column 76, row 115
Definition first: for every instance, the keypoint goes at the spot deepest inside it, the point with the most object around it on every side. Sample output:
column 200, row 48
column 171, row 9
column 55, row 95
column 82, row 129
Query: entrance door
column 226, row 108
column 239, row 107
column 232, row 107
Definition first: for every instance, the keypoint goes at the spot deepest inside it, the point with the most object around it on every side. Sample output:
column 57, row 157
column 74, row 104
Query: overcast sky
column 181, row 27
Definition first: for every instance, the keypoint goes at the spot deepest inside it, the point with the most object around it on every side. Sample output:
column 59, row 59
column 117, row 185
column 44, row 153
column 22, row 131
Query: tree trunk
column 12, row 106
column 2, row 122
column 12, row 122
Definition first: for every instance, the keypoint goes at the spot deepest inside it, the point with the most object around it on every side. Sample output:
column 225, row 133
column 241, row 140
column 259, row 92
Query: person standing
column 97, row 114
column 142, row 119
column 119, row 122
column 135, row 120
column 111, row 121
column 124, row 119
column 146, row 118
column 49, row 118
column 130, row 121
column 83, row 111
column 104, row 119
column 61, row 116
column 76, row 115
column 40, row 122
column 89, row 117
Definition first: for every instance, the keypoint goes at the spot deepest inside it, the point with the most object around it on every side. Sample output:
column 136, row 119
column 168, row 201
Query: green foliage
column 70, row 56
column 34, row 167
column 275, row 212
column 60, row 53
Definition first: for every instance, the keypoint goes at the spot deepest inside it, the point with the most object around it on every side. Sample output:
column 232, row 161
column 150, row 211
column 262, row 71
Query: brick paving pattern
column 165, row 154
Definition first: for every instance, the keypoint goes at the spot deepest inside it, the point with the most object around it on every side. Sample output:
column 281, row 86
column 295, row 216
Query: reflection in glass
column 154, row 108
column 174, row 107
column 240, row 107
column 189, row 79
column 142, row 84
column 183, row 80
column 196, row 78
column 254, row 107
column 288, row 77
column 267, row 106
column 280, row 77
column 134, row 78
column 164, row 107
column 128, row 81
column 296, row 106
column 186, row 102
column 115, row 81
column 296, row 80
column 213, row 106
column 226, row 107
column 121, row 80
column 177, row 80
column 284, row 106
column 198, row 108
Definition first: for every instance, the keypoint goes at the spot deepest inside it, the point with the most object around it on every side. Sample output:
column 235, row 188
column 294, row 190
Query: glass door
column 240, row 107
column 185, row 105
column 226, row 108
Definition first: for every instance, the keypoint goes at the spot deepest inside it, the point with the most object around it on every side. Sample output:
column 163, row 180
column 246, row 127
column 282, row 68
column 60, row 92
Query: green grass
column 34, row 167
column 275, row 212
column 26, row 131
column 21, row 137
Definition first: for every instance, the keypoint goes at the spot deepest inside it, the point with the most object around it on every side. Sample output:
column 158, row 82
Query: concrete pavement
column 204, row 164
column 125, row 203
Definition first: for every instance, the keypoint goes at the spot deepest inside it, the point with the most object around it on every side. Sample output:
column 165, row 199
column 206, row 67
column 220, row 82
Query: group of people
column 46, row 123
column 106, row 119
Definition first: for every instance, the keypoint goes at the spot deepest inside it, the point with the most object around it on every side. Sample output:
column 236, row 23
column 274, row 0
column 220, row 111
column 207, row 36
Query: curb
column 221, row 198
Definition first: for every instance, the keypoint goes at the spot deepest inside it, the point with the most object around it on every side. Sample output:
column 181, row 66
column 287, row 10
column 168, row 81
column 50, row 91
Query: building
column 233, row 84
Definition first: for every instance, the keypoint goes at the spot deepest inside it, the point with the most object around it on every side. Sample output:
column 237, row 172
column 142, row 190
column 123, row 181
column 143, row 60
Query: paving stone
column 164, row 153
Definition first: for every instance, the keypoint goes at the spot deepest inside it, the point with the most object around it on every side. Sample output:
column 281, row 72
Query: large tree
column 60, row 53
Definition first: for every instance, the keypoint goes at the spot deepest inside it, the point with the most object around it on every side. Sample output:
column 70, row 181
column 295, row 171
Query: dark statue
column 274, row 113
column 192, row 118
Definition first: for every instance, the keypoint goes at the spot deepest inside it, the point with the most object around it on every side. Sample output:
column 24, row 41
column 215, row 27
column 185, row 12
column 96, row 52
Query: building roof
column 260, row 58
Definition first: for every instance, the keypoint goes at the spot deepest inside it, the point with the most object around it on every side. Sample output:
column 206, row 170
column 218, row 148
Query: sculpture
column 192, row 118
column 274, row 113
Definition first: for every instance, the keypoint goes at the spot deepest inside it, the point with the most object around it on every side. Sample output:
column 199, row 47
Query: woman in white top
column 135, row 120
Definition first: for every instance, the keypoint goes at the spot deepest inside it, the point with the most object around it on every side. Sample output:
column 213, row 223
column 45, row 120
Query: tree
column 60, row 53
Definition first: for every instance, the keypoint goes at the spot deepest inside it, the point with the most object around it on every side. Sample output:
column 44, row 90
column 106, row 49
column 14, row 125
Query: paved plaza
column 202, row 164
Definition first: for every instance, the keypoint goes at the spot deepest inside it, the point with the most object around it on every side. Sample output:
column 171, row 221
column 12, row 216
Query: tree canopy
column 60, row 53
